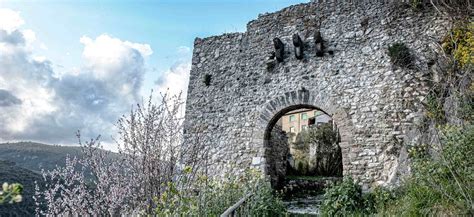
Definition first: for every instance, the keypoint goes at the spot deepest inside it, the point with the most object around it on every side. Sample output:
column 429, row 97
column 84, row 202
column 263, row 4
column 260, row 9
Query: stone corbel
column 318, row 40
column 279, row 49
column 299, row 46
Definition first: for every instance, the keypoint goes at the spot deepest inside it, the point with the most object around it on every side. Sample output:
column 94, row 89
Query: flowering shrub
column 151, row 155
column 11, row 193
column 460, row 44
column 153, row 173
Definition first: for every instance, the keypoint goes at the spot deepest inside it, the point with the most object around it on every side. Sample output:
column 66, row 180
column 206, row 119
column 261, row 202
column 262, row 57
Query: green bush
column 342, row 199
column 213, row 197
column 302, row 167
column 346, row 198
column 434, row 108
column 400, row 55
column 416, row 4
column 442, row 182
column 466, row 108
column 377, row 200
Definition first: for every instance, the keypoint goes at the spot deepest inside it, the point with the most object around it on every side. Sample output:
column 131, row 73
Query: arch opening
column 301, row 142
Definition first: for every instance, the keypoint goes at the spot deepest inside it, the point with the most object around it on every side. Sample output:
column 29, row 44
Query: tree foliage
column 319, row 152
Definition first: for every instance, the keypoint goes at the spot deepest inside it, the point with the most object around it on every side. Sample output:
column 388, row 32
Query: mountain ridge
column 37, row 156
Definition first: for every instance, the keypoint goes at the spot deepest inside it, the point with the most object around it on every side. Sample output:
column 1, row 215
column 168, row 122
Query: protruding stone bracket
column 279, row 49
column 319, row 46
column 299, row 46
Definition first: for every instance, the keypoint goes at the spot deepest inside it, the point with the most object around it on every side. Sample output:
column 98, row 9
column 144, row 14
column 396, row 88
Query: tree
column 318, row 151
column 151, row 155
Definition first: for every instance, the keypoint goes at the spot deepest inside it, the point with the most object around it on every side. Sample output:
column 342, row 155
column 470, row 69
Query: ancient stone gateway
column 237, row 91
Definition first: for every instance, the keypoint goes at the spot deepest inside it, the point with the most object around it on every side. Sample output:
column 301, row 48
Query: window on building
column 292, row 118
column 304, row 116
column 304, row 127
column 317, row 113
column 292, row 129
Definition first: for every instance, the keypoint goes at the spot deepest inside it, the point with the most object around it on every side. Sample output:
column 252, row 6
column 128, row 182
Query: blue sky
column 164, row 25
column 155, row 37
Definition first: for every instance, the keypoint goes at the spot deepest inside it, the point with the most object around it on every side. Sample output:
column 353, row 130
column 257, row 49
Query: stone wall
column 276, row 155
column 372, row 102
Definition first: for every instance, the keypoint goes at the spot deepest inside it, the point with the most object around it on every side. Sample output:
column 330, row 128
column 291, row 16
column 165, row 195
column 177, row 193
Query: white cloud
column 10, row 20
column 184, row 50
column 106, row 54
column 118, row 63
column 144, row 49
column 29, row 36
column 27, row 79
column 40, row 104
column 22, row 76
column 175, row 80
column 43, row 46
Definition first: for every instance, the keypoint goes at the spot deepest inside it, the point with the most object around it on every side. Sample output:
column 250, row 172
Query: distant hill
column 11, row 173
column 22, row 162
column 37, row 156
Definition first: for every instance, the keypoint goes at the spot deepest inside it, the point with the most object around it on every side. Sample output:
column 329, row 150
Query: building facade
column 298, row 120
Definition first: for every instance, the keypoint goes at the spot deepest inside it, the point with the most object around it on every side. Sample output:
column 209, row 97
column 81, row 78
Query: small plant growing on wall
column 400, row 55
column 416, row 4
column 207, row 79
column 460, row 43
column 434, row 108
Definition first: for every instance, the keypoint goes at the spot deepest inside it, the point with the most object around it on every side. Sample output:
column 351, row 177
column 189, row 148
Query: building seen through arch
column 303, row 142
column 298, row 120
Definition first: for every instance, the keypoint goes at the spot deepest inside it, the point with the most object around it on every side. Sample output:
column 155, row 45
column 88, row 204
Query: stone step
column 304, row 205
column 307, row 185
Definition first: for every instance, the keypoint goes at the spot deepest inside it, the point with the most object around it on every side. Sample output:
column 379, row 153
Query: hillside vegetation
column 22, row 162
column 11, row 173
column 37, row 156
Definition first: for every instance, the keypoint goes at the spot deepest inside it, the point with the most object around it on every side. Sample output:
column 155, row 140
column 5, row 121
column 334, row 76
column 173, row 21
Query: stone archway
column 274, row 109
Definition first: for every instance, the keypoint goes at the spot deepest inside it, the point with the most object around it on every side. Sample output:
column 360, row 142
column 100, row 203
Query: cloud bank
column 37, row 103
column 175, row 80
